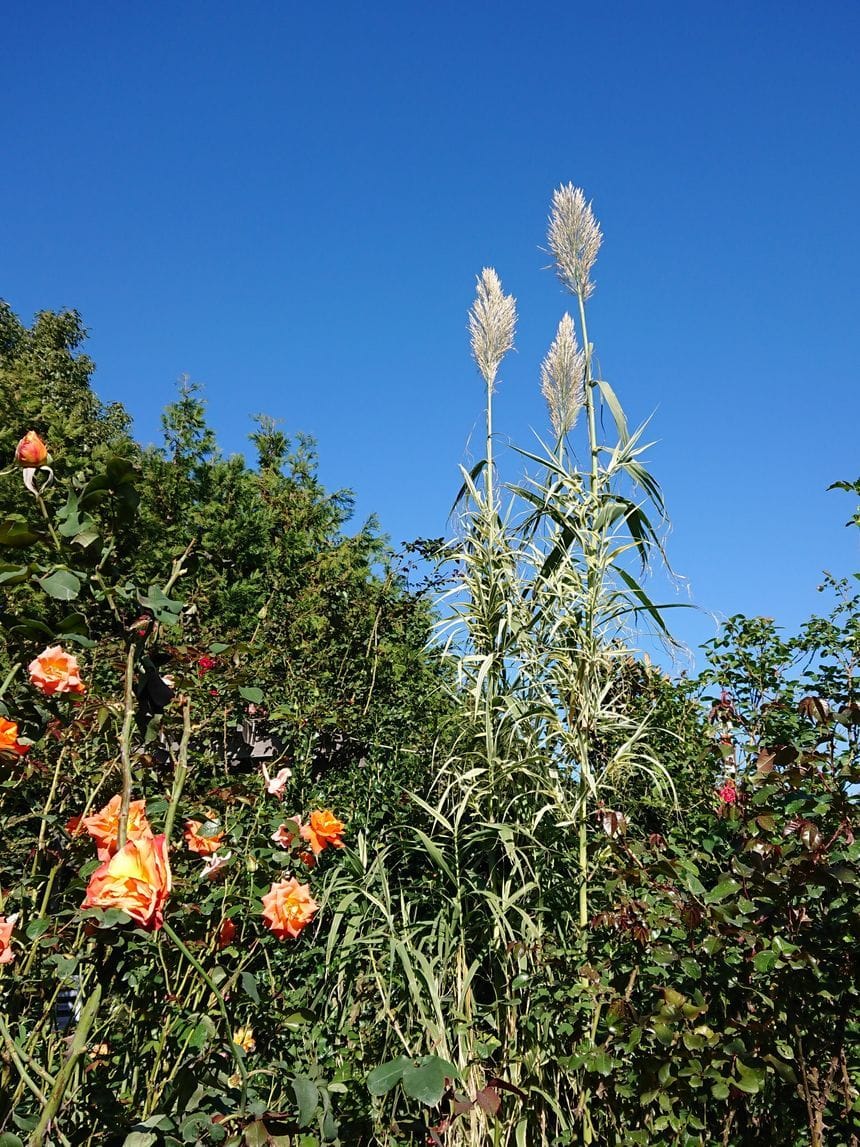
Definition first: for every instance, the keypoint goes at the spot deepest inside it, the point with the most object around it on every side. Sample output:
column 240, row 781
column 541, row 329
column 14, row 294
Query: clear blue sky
column 290, row 202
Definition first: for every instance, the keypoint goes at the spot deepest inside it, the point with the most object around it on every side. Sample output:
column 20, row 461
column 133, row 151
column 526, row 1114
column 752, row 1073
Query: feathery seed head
column 492, row 320
column 562, row 375
column 574, row 238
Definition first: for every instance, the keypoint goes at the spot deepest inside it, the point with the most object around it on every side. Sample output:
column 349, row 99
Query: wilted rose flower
column 287, row 833
column 136, row 880
column 55, row 671
column 9, row 738
column 103, row 826
column 323, row 829
column 275, row 785
column 244, row 1037
column 614, row 823
column 288, row 907
column 7, row 926
column 213, row 865
column 31, row 451
column 203, row 845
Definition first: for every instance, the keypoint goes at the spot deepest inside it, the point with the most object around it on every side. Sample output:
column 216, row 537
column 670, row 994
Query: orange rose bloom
column 9, row 738
column 136, row 880
column 103, row 826
column 55, row 671
column 203, row 845
column 288, row 908
column 6, row 953
column 31, row 450
column 324, row 829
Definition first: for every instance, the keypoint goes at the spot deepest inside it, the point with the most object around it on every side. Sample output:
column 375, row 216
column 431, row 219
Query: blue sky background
column 291, row 202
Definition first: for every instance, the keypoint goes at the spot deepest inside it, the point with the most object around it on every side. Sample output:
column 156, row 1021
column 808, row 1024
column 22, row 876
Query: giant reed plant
column 549, row 598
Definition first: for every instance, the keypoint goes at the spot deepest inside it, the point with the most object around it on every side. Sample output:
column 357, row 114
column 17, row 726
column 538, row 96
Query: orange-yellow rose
column 9, row 738
column 6, row 927
column 136, row 880
column 202, row 845
column 103, row 826
column 288, row 908
column 31, row 450
column 55, row 671
column 323, row 829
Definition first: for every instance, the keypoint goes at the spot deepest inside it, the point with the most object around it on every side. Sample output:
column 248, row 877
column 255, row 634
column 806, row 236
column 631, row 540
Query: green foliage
column 578, row 902
column 228, row 632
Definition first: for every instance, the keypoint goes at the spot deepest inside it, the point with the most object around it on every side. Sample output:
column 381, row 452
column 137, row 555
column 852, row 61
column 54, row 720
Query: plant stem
column 205, row 977
column 181, row 769
column 593, row 447
column 125, row 748
column 15, row 1055
column 57, row 543
column 9, row 678
column 77, row 1048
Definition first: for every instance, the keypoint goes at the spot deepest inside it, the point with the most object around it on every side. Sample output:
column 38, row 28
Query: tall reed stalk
column 545, row 610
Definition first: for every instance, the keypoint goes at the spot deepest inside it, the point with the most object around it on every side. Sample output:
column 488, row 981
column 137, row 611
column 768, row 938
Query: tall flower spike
column 562, row 375
column 574, row 238
column 492, row 320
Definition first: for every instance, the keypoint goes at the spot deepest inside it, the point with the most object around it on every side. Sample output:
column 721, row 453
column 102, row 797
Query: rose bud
column 31, row 450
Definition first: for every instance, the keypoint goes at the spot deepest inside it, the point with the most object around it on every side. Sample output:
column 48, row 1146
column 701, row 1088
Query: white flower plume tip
column 492, row 320
column 562, row 375
column 574, row 238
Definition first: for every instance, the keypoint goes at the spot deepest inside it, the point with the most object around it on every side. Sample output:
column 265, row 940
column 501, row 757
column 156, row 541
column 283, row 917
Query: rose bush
column 166, row 742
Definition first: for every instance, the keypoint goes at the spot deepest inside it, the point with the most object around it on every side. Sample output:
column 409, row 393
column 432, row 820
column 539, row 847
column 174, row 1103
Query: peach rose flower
column 103, row 826
column 322, row 830
column 202, row 845
column 136, row 880
column 6, row 928
column 31, row 451
column 9, row 738
column 288, row 908
column 55, row 671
